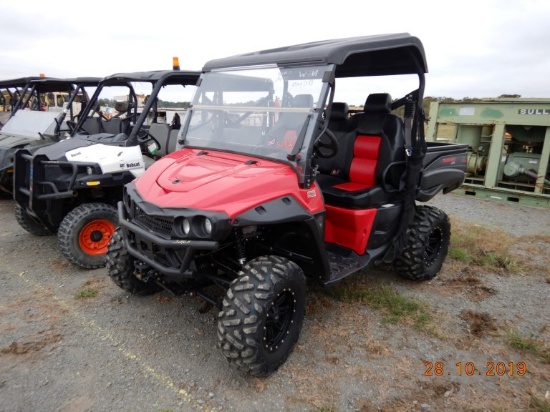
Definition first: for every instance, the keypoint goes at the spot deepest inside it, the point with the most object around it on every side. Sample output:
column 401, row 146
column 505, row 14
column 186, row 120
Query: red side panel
column 349, row 228
column 365, row 156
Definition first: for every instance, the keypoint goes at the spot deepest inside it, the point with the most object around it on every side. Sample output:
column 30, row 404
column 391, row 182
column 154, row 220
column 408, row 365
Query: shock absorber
column 239, row 246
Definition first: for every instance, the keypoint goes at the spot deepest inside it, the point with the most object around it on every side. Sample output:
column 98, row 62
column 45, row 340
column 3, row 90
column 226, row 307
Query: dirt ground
column 72, row 341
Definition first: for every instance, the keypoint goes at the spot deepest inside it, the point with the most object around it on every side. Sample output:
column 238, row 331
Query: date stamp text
column 475, row 369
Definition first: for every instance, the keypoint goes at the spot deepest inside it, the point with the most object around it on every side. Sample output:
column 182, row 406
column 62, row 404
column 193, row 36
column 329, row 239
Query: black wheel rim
column 433, row 246
column 278, row 320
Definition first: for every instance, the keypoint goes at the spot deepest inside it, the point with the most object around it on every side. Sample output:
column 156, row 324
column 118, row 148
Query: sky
column 482, row 48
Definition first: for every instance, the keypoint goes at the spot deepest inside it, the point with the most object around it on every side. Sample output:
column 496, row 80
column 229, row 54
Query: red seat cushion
column 351, row 186
column 362, row 172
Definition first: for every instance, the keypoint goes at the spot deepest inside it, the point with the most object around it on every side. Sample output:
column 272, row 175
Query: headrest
column 121, row 106
column 378, row 103
column 339, row 111
column 302, row 100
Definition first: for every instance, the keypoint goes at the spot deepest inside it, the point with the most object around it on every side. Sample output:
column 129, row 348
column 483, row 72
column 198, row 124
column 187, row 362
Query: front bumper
column 43, row 187
column 43, row 179
column 171, row 257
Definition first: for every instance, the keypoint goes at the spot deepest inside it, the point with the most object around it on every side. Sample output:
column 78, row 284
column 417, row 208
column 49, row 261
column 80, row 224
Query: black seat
column 339, row 125
column 375, row 141
column 117, row 124
column 339, row 116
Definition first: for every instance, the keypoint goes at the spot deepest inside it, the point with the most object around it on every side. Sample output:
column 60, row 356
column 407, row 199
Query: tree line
column 465, row 100
column 429, row 99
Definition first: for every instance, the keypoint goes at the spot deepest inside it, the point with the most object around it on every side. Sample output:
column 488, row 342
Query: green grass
column 325, row 409
column 87, row 290
column 528, row 344
column 395, row 307
column 86, row 293
column 459, row 253
column 481, row 246
column 539, row 405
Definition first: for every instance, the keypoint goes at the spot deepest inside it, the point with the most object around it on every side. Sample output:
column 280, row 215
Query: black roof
column 49, row 84
column 375, row 55
column 153, row 76
column 19, row 82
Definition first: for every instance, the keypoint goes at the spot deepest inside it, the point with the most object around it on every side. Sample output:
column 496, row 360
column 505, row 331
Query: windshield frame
column 308, row 117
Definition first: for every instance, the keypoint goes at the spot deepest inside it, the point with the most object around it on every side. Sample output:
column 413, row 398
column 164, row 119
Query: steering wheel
column 144, row 136
column 324, row 149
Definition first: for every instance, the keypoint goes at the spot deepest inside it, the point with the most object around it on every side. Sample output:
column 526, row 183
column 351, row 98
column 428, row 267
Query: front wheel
column 85, row 232
column 27, row 222
column 262, row 315
column 120, row 266
column 428, row 239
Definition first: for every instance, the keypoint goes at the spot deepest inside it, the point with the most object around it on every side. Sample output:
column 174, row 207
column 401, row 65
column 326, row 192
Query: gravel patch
column 518, row 220
column 158, row 353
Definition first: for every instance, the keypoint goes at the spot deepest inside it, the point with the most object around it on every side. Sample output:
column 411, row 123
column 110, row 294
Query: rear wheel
column 428, row 239
column 262, row 315
column 120, row 266
column 28, row 223
column 85, row 232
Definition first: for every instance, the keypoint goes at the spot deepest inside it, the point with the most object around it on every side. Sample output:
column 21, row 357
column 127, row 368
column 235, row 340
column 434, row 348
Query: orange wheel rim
column 95, row 236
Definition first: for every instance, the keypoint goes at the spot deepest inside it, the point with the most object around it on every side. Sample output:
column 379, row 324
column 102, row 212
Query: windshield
column 264, row 111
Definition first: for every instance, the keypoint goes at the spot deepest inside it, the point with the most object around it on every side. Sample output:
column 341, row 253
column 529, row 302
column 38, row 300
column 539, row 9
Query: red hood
column 223, row 182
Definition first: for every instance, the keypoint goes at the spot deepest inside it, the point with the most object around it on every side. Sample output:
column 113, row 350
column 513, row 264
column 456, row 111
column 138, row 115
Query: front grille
column 159, row 225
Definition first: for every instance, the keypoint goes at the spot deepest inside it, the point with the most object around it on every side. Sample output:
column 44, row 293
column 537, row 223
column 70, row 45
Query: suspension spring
column 239, row 246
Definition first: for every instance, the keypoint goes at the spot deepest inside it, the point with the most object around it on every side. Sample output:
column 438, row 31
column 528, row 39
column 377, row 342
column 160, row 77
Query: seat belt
column 408, row 119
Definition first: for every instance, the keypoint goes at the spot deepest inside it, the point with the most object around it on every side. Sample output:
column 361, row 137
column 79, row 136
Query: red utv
column 276, row 184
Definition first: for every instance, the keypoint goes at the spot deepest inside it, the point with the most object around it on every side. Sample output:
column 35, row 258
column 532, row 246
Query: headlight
column 207, row 226
column 196, row 226
column 186, row 226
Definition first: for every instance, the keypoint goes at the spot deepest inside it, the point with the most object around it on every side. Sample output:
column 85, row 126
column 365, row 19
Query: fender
column 282, row 210
column 294, row 232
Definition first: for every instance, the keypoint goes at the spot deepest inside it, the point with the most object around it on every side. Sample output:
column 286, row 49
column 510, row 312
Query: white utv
column 72, row 187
